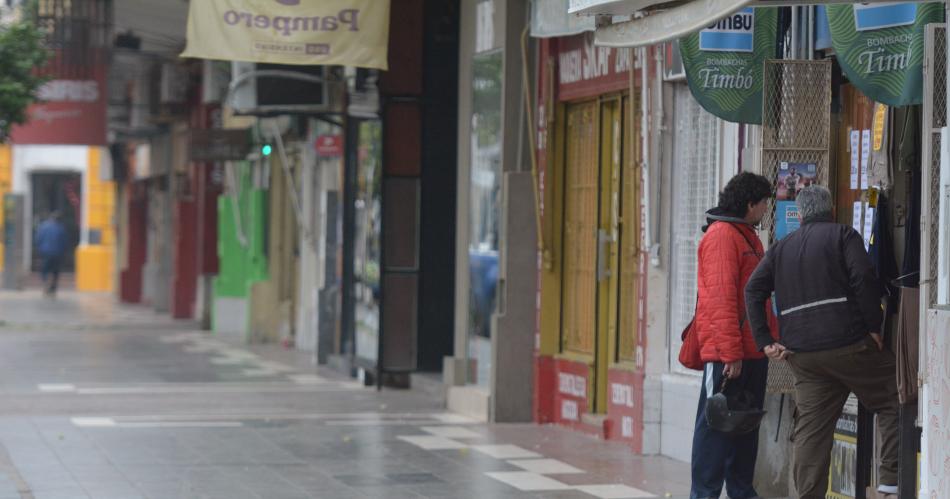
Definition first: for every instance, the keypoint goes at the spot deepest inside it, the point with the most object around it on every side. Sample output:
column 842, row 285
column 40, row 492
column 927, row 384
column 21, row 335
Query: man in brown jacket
column 829, row 307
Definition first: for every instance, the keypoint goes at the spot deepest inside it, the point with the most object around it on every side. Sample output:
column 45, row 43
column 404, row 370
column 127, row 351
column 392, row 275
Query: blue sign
column 731, row 34
column 884, row 15
column 786, row 219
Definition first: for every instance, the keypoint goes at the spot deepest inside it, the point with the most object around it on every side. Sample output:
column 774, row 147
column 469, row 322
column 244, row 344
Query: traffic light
column 266, row 149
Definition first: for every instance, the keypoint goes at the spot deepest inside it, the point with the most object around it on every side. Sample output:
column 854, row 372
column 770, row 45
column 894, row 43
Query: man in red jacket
column 728, row 254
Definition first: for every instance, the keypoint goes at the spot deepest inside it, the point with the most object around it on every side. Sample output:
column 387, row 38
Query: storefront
column 881, row 156
column 589, row 366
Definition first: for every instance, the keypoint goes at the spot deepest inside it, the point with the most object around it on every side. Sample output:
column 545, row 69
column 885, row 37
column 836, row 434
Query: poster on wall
column 856, row 213
column 793, row 177
column 881, row 47
column 786, row 219
column 844, row 456
column 855, row 157
column 865, row 155
column 724, row 63
column 844, row 453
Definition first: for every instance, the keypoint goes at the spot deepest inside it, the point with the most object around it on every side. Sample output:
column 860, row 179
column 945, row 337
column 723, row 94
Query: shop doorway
column 60, row 192
column 599, row 264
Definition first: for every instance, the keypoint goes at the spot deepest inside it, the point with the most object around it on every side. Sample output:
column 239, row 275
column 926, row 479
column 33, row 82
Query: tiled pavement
column 107, row 402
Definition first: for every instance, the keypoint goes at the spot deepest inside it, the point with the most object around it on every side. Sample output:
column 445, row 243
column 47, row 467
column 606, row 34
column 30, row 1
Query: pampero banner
column 306, row 32
column 881, row 47
column 724, row 61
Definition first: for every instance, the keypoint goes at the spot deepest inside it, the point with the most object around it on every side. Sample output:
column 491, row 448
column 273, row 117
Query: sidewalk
column 104, row 401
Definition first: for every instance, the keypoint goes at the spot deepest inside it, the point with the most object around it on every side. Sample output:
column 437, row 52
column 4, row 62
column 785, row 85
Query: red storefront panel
column 585, row 70
column 72, row 111
column 572, row 392
column 625, row 407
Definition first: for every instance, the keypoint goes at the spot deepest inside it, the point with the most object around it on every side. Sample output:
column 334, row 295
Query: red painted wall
column 130, row 280
column 195, row 211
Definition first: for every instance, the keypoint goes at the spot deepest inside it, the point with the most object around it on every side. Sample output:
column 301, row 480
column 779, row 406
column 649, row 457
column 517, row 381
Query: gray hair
column 814, row 201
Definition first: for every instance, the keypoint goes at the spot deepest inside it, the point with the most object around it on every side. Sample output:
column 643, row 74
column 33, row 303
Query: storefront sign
column 69, row 111
column 881, row 47
column 585, row 69
column 345, row 32
column 219, row 145
column 664, row 25
column 329, row 146
column 724, row 63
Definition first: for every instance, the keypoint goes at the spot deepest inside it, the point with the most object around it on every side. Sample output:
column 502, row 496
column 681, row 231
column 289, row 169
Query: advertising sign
column 844, row 454
column 328, row 32
column 68, row 111
column 793, row 177
column 724, row 63
column 881, row 47
column 329, row 146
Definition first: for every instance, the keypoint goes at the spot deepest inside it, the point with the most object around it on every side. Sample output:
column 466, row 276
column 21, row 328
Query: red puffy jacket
column 728, row 254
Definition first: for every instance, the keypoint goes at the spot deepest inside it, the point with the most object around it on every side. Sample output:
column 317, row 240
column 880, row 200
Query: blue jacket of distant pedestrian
column 51, row 239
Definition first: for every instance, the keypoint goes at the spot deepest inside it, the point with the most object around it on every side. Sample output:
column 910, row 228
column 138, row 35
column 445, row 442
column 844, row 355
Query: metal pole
column 348, row 318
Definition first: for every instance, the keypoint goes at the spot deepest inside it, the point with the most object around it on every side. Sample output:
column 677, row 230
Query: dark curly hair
column 744, row 189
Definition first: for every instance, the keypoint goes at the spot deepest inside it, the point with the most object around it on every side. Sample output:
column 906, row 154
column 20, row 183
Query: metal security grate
column 796, row 127
column 78, row 34
column 796, row 119
column 579, row 298
column 695, row 178
column 935, row 117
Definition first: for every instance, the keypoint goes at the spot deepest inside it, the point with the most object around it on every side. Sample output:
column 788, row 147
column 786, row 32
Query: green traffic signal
column 266, row 149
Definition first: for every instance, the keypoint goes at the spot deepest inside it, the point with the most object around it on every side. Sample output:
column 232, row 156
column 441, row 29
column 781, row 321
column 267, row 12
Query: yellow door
column 581, row 184
column 628, row 292
column 593, row 201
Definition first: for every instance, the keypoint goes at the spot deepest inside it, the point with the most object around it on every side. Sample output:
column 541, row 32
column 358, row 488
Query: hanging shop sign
column 880, row 47
column 328, row 32
column 219, row 145
column 724, row 63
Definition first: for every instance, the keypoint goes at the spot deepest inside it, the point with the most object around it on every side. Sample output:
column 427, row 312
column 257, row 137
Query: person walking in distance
column 728, row 253
column 829, row 303
column 51, row 244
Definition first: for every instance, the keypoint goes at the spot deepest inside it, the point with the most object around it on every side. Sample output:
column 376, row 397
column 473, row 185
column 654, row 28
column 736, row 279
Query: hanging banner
column 880, row 47
column 724, row 63
column 344, row 32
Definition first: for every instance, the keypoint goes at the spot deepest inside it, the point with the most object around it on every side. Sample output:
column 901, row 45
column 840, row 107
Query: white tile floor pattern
column 545, row 466
column 536, row 468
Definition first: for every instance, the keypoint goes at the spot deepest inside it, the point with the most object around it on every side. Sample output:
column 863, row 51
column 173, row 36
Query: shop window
column 484, row 202
column 368, row 240
column 695, row 189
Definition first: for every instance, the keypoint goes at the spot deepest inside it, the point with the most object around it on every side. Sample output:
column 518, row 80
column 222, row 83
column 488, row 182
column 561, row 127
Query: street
column 106, row 401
